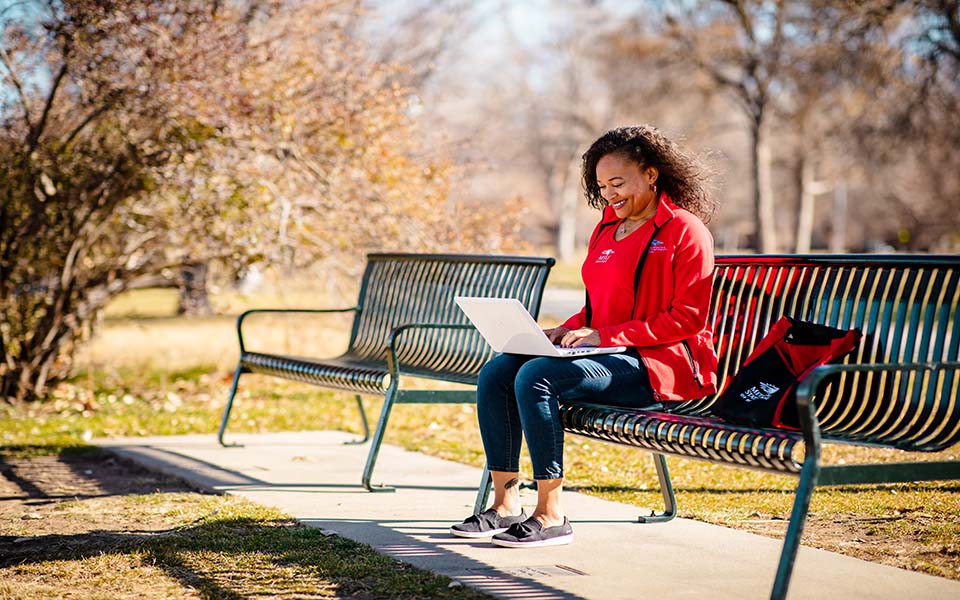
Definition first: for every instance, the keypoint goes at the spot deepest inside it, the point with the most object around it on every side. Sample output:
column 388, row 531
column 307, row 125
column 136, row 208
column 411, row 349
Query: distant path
column 560, row 303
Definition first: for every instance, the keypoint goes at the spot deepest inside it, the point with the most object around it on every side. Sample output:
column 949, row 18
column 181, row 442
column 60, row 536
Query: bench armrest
column 809, row 384
column 252, row 311
column 393, row 340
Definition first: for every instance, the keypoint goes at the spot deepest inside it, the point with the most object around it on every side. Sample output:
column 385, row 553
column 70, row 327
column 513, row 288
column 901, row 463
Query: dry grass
column 102, row 528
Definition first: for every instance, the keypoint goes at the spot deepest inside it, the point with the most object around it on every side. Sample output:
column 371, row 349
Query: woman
column 648, row 277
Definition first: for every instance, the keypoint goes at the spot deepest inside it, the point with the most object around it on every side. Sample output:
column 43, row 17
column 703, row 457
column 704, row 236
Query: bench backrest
column 908, row 308
column 420, row 288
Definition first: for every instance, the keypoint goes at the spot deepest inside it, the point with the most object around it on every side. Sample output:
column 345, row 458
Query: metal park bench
column 405, row 324
column 898, row 390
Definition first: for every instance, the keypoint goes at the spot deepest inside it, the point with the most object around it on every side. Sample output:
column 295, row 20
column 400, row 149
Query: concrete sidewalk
column 315, row 477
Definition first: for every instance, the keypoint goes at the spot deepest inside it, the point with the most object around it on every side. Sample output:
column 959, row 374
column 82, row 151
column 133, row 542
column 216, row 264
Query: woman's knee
column 535, row 377
column 529, row 372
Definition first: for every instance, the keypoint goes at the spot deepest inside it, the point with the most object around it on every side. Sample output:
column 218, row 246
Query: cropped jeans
column 520, row 395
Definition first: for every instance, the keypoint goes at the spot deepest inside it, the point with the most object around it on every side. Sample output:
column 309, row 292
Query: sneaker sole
column 476, row 534
column 557, row 541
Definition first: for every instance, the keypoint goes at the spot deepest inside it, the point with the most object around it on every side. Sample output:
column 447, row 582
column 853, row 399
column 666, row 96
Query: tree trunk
column 762, row 189
column 805, row 210
column 24, row 376
column 567, row 224
column 838, row 237
column 193, row 290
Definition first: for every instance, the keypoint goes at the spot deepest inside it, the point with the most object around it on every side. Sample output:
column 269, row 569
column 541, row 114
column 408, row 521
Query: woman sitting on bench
column 648, row 276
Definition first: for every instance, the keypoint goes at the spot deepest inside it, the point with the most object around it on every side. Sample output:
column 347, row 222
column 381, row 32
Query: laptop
column 507, row 326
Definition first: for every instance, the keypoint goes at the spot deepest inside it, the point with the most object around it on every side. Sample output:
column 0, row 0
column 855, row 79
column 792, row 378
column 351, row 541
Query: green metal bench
column 405, row 324
column 898, row 390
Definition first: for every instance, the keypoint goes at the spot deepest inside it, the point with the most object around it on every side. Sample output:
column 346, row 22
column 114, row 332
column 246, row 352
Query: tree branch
column 744, row 17
column 5, row 58
column 36, row 131
column 776, row 47
column 86, row 121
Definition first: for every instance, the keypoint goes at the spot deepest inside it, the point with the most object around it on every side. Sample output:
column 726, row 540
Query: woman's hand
column 584, row 336
column 556, row 334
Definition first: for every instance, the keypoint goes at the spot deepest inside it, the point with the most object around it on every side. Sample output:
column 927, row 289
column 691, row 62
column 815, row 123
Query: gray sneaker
column 532, row 534
column 486, row 524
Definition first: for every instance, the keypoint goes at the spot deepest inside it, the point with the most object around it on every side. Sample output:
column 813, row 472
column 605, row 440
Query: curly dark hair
column 681, row 175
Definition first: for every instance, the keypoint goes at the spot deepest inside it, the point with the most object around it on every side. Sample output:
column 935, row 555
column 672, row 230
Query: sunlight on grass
column 92, row 577
column 151, row 302
column 566, row 274
column 162, row 302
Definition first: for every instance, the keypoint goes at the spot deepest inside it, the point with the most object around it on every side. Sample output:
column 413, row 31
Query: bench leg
column 666, row 488
column 377, row 440
column 798, row 518
column 483, row 492
column 366, row 424
column 226, row 410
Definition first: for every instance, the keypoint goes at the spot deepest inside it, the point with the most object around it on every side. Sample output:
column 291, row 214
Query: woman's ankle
column 507, row 509
column 549, row 519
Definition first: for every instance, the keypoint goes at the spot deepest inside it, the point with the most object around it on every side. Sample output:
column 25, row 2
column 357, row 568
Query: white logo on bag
column 604, row 256
column 761, row 392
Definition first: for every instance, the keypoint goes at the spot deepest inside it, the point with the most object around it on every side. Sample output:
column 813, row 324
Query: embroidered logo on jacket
column 657, row 246
column 604, row 256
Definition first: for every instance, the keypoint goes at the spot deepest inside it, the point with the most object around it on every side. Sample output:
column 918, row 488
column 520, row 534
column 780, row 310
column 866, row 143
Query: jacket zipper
column 693, row 363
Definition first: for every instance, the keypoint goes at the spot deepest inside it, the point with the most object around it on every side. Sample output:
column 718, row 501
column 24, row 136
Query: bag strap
column 586, row 294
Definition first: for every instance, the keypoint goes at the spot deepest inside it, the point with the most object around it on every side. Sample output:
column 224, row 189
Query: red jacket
column 671, row 304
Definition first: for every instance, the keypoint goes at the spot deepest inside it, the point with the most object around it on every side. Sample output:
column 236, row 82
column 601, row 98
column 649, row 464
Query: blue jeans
column 521, row 395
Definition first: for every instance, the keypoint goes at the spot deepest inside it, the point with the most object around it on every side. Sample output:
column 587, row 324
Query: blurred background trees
column 811, row 110
column 172, row 141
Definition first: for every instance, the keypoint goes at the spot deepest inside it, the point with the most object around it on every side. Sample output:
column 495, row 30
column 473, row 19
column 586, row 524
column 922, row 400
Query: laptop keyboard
column 574, row 350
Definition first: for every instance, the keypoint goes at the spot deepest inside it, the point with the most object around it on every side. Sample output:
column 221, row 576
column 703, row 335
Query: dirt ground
column 898, row 541
column 35, row 490
column 37, row 494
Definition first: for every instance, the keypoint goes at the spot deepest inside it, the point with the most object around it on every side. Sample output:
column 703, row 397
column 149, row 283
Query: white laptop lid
column 508, row 327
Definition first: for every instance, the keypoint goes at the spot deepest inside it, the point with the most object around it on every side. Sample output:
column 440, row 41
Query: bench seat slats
column 698, row 437
column 345, row 373
column 402, row 289
column 339, row 373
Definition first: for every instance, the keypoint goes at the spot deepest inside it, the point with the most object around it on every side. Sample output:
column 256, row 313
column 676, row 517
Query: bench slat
column 698, row 437
column 339, row 373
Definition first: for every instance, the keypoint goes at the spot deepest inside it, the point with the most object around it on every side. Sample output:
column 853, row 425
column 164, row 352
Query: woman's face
column 625, row 186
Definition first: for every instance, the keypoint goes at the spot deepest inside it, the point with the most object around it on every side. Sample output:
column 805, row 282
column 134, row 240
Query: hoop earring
column 653, row 188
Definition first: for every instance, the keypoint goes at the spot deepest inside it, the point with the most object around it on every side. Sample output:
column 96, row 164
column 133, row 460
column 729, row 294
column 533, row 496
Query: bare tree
column 564, row 106
column 906, row 131
column 741, row 46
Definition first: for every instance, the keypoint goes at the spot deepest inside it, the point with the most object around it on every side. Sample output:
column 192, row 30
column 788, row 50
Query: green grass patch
column 143, row 403
column 566, row 274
